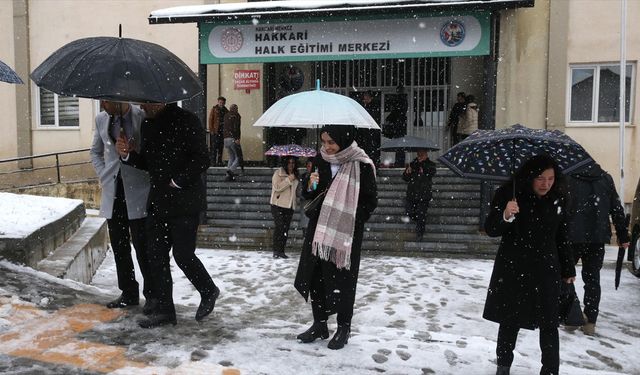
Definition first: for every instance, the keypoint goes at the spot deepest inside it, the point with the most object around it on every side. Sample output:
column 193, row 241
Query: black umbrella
column 8, row 75
column 620, row 258
column 498, row 154
column 408, row 143
column 117, row 69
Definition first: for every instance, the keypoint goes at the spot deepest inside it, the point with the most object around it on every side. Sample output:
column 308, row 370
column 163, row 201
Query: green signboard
column 465, row 34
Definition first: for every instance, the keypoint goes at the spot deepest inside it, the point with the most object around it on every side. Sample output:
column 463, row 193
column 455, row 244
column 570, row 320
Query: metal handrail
column 32, row 157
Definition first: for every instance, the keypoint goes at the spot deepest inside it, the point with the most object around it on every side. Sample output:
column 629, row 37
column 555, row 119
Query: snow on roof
column 306, row 5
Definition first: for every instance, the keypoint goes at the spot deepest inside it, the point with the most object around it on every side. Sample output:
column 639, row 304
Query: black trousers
column 282, row 218
column 549, row 345
column 417, row 211
column 123, row 231
column 319, row 304
column 592, row 255
column 216, row 144
column 177, row 233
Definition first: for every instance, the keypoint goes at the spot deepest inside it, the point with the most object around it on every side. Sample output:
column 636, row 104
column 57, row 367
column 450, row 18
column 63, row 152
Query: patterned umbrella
column 8, row 75
column 498, row 154
column 291, row 150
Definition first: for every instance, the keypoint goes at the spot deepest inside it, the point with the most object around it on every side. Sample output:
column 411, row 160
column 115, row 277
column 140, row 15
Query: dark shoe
column 157, row 320
column 318, row 330
column 149, row 306
column 547, row 371
column 503, row 370
column 207, row 304
column 123, row 301
column 340, row 338
column 280, row 255
column 230, row 176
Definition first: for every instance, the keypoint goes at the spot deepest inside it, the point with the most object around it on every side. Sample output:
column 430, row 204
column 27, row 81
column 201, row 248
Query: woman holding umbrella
column 330, row 259
column 284, row 184
column 533, row 259
column 419, row 176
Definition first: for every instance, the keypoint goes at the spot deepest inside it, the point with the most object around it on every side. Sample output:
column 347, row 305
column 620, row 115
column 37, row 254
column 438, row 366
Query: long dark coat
column 420, row 180
column 534, row 255
column 592, row 199
column 174, row 148
column 343, row 280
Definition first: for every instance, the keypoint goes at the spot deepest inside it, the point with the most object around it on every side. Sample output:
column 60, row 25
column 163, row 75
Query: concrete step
column 80, row 256
column 38, row 245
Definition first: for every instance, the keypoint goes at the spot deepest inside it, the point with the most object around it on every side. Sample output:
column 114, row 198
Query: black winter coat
column 334, row 279
column 534, row 255
column 173, row 146
column 420, row 180
column 592, row 199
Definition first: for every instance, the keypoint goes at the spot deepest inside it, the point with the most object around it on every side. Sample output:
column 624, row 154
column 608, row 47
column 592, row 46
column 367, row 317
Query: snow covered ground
column 21, row 215
column 412, row 316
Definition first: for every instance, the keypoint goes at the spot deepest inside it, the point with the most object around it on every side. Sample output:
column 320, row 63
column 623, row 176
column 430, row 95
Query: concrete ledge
column 42, row 242
column 79, row 257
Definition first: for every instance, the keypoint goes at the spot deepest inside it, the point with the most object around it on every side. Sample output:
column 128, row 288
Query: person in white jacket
column 284, row 184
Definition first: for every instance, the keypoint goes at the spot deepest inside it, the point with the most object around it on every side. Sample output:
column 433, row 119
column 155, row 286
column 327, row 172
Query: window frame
column 56, row 113
column 595, row 99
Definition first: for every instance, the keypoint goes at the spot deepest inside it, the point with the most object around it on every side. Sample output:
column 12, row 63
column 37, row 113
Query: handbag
column 314, row 205
column 570, row 311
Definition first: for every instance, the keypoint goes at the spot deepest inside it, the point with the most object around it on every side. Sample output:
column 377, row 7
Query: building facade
column 537, row 63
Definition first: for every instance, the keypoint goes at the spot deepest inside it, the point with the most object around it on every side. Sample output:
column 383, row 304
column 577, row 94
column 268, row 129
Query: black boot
column 207, row 303
column 503, row 370
column 157, row 320
column 123, row 301
column 150, row 306
column 340, row 338
column 318, row 330
column 280, row 255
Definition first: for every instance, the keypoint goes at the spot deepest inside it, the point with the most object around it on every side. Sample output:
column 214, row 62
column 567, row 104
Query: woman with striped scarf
column 330, row 258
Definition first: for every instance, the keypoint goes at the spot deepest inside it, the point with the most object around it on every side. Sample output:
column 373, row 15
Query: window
column 57, row 111
column 595, row 93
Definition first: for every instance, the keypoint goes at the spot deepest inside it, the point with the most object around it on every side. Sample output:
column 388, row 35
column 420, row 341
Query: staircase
column 239, row 216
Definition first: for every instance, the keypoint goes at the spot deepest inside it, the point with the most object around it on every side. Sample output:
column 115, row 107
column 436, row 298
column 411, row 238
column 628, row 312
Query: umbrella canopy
column 8, row 75
column 314, row 109
column 117, row 69
column 408, row 143
column 498, row 154
column 291, row 150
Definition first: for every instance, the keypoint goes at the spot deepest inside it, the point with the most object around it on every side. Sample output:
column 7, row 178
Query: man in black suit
column 174, row 152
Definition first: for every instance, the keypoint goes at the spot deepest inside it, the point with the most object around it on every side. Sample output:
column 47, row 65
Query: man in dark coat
column 418, row 175
column 454, row 117
column 396, row 122
column 174, row 152
column 593, row 198
column 534, row 257
column 216, row 127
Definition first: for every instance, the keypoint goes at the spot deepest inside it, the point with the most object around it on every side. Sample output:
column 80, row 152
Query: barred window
column 56, row 110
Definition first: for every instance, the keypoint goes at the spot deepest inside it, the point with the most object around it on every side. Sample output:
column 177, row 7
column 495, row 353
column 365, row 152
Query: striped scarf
column 336, row 223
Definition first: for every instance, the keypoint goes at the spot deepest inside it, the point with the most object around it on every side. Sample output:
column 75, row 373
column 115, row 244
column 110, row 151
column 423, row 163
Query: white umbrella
column 314, row 109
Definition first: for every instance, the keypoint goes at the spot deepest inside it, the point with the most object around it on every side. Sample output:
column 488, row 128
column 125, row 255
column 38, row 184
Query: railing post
column 58, row 166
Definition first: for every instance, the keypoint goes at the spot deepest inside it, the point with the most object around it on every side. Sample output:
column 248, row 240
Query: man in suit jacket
column 124, row 197
column 174, row 152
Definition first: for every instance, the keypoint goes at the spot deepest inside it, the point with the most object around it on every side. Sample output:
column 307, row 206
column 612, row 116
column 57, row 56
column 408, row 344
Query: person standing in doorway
column 454, row 117
column 419, row 176
column 593, row 199
column 468, row 122
column 369, row 139
column 174, row 152
column 232, row 123
column 124, row 198
column 396, row 122
column 216, row 127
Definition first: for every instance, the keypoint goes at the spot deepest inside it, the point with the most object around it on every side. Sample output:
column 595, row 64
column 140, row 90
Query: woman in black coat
column 533, row 259
column 330, row 258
